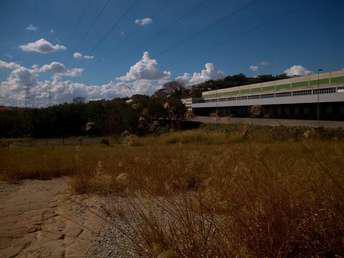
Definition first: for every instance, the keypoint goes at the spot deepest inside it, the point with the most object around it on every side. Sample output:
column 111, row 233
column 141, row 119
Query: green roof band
column 320, row 82
column 300, row 84
column 271, row 89
column 337, row 80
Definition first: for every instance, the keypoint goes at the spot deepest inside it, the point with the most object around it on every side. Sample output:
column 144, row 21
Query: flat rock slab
column 43, row 219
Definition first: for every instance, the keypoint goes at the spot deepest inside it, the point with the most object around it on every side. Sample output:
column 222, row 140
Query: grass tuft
column 213, row 192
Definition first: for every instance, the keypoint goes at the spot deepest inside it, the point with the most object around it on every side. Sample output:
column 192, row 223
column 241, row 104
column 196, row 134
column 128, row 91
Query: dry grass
column 276, row 200
column 214, row 192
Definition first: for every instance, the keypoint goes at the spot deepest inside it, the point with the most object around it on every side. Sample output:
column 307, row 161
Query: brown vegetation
column 220, row 191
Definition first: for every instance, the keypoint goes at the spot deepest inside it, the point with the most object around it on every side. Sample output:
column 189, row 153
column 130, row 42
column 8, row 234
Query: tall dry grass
column 214, row 192
column 262, row 201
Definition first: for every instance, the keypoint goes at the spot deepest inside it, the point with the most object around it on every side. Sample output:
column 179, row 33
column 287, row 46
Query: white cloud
column 264, row 63
column 254, row 68
column 54, row 67
column 142, row 78
column 42, row 46
column 57, row 68
column 31, row 28
column 144, row 22
column 22, row 76
column 297, row 70
column 209, row 73
column 8, row 65
column 74, row 72
column 80, row 56
column 145, row 69
column 88, row 57
column 14, row 88
column 77, row 55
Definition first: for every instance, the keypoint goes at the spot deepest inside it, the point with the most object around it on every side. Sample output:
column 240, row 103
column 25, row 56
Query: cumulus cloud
column 145, row 69
column 14, row 89
column 22, row 82
column 144, row 22
column 57, row 68
column 297, row 70
column 22, row 76
column 42, row 46
column 31, row 28
column 8, row 65
column 264, row 63
column 142, row 78
column 80, row 56
column 254, row 68
column 54, row 67
column 209, row 73
column 77, row 55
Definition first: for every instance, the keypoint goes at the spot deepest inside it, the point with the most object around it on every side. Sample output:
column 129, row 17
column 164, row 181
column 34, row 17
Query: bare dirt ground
column 43, row 219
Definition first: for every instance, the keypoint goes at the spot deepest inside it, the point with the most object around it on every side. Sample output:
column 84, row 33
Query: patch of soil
column 43, row 219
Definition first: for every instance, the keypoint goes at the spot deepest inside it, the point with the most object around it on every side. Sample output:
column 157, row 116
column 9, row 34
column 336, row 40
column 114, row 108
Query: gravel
column 112, row 243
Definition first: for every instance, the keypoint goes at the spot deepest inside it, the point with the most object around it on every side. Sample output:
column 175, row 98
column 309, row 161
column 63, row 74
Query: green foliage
column 113, row 117
column 66, row 120
column 15, row 123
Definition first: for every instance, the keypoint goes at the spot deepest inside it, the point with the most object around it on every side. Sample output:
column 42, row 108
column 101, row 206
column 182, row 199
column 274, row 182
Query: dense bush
column 103, row 117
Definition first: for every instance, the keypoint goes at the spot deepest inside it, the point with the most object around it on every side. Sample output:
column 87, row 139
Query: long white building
column 312, row 89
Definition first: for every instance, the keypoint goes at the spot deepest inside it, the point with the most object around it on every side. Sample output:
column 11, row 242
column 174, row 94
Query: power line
column 190, row 11
column 253, row 28
column 180, row 18
column 219, row 20
column 114, row 25
column 27, row 95
column 221, row 43
column 96, row 18
column 79, row 20
column 129, row 35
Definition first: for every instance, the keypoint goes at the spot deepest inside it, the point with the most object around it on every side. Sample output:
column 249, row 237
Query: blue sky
column 236, row 36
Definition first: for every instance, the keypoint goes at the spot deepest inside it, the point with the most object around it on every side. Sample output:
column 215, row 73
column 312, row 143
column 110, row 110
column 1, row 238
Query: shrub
column 105, row 141
column 133, row 140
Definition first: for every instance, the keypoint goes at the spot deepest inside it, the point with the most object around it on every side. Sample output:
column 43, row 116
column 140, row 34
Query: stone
column 122, row 179
column 307, row 134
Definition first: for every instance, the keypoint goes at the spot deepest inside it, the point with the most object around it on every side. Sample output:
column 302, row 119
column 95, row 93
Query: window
column 340, row 89
column 266, row 96
column 283, row 94
column 324, row 91
column 253, row 97
column 242, row 98
column 302, row 92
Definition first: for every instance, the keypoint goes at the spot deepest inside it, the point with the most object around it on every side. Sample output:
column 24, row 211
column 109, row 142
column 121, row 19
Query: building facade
column 316, row 96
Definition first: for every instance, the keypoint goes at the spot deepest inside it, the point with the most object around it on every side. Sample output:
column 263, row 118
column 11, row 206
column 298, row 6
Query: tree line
column 95, row 118
column 139, row 115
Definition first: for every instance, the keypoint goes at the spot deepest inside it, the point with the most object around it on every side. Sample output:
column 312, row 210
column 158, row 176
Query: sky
column 52, row 51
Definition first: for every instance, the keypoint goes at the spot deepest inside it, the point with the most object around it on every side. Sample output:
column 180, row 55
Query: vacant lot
column 217, row 191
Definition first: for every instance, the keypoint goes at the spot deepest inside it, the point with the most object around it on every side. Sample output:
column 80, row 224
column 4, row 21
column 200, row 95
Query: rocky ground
column 44, row 219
